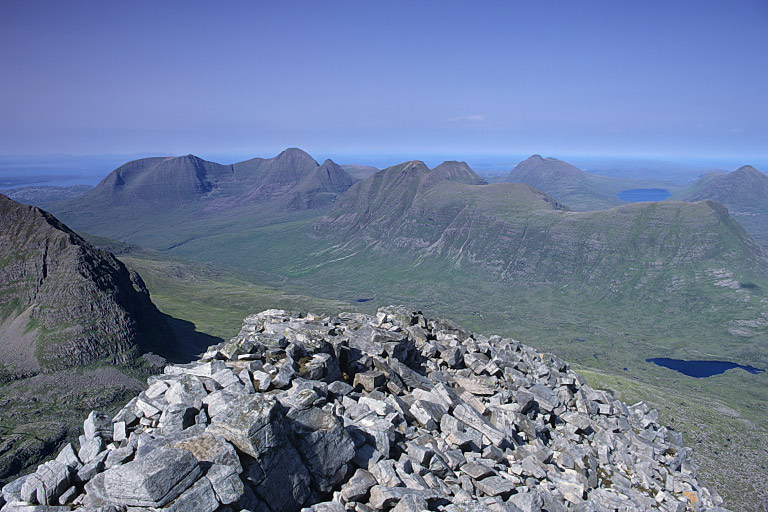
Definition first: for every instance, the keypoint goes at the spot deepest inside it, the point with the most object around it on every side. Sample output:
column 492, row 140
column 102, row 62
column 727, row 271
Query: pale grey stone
column 46, row 484
column 153, row 480
column 200, row 497
column 383, row 498
column 68, row 496
column 252, row 424
column 68, row 456
column 328, row 506
column 495, row 486
column 358, row 485
column 226, row 483
column 213, row 449
column 118, row 456
column 12, row 490
column 98, row 425
column 323, row 444
column 89, row 448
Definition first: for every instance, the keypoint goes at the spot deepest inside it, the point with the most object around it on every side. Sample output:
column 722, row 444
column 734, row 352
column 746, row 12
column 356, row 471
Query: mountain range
column 292, row 181
column 606, row 288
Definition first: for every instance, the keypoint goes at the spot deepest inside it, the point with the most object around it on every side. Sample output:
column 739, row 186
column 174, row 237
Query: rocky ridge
column 363, row 413
column 65, row 303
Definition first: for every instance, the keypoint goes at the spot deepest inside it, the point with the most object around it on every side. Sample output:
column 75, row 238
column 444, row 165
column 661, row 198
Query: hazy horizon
column 62, row 170
column 652, row 79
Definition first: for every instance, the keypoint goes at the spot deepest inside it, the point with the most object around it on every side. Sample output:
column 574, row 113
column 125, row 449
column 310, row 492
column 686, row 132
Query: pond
column 363, row 300
column 700, row 369
column 639, row 195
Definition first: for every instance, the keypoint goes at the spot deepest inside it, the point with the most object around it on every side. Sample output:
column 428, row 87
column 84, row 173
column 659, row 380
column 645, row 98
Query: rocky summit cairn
column 360, row 413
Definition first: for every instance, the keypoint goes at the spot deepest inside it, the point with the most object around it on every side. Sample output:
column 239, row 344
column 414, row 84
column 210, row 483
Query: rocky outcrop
column 355, row 412
column 64, row 303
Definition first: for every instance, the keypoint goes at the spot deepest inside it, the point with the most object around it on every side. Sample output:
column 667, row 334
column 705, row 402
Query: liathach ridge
column 359, row 413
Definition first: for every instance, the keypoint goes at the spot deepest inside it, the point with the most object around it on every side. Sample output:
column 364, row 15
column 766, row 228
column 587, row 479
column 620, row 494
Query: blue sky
column 654, row 79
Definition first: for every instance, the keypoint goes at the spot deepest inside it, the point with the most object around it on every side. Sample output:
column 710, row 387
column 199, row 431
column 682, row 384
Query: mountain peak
column 84, row 306
column 459, row 172
column 748, row 170
column 294, row 154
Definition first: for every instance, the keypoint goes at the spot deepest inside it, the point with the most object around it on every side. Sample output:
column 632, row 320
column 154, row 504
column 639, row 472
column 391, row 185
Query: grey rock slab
column 68, row 495
column 200, row 497
column 370, row 380
column 177, row 417
column 68, row 456
column 328, row 506
column 252, row 423
column 472, row 418
column 226, row 483
column 527, row 502
column 383, row 498
column 213, row 449
column 46, row 484
column 357, row 487
column 339, row 388
column 90, row 469
column 495, row 486
column 283, row 480
column 23, row 507
column 323, row 444
column 98, row 424
column 119, row 431
column 118, row 456
column 477, row 471
column 12, row 490
column 411, row 504
column 428, row 414
column 153, row 480
column 89, row 448
column 218, row 401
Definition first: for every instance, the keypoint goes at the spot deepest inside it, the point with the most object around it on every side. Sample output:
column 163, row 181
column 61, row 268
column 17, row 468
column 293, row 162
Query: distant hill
column 291, row 180
column 745, row 193
column 42, row 195
column 517, row 233
column 579, row 190
column 64, row 303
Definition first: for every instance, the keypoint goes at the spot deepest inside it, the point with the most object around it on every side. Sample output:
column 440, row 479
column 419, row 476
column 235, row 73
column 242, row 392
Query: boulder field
column 359, row 413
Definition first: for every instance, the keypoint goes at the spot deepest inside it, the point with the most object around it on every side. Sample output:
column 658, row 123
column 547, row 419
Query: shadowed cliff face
column 64, row 303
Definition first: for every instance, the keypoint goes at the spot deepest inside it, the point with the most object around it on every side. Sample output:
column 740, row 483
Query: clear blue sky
column 668, row 78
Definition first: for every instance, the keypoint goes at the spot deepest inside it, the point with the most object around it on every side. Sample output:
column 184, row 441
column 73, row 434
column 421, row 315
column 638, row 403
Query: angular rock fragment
column 252, row 424
column 153, row 480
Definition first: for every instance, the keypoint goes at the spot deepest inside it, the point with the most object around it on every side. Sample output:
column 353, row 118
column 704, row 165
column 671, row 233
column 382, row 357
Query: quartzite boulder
column 153, row 480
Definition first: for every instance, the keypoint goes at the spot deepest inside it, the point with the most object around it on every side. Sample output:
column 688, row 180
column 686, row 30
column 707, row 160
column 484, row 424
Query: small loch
column 700, row 369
